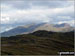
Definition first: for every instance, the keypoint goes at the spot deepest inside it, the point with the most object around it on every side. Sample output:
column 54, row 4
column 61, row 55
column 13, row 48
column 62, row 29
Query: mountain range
column 25, row 29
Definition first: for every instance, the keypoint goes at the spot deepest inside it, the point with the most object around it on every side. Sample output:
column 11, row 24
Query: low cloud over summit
column 14, row 13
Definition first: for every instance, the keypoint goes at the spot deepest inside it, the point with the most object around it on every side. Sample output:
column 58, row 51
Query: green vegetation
column 38, row 43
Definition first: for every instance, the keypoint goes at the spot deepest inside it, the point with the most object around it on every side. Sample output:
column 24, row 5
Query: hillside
column 25, row 29
column 38, row 43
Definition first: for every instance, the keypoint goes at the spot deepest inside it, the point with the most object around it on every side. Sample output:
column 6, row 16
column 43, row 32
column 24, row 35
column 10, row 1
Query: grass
column 38, row 43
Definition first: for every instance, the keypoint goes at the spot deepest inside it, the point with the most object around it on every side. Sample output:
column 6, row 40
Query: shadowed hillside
column 38, row 43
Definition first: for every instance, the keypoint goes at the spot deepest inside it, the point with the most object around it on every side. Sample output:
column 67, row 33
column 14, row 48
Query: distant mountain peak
column 65, row 24
column 62, row 25
column 40, row 26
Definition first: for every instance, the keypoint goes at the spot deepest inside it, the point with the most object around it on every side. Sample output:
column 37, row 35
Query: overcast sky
column 21, row 12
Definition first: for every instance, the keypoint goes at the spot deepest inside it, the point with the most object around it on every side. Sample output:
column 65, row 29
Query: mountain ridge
column 35, row 27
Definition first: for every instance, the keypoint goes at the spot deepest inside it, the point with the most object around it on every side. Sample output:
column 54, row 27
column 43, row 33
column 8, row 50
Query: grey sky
column 22, row 11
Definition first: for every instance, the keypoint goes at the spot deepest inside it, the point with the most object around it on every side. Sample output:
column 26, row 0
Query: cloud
column 36, row 14
column 64, row 18
column 69, row 22
column 27, row 4
column 4, row 19
column 6, row 28
column 23, row 12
